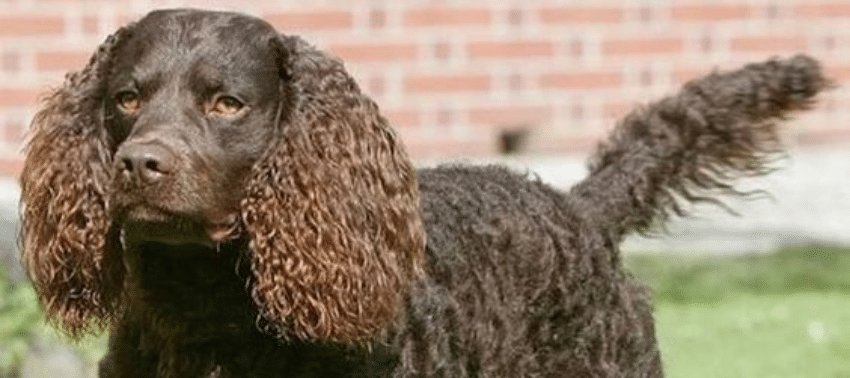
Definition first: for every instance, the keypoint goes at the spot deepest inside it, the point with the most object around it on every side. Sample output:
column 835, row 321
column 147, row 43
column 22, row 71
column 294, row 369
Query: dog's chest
column 200, row 293
column 197, row 306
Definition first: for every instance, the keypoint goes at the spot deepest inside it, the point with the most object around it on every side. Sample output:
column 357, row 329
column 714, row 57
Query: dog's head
column 191, row 102
column 207, row 127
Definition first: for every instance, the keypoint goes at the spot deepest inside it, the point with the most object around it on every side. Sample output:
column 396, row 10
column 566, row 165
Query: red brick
column 447, row 147
column 510, row 115
column 515, row 82
column 375, row 52
column 646, row 13
column 835, row 9
column 576, row 48
column 442, row 50
column 576, row 15
column 13, row 133
column 710, row 12
column 377, row 18
column 124, row 19
column 515, row 16
column 18, row 96
column 840, row 73
column 829, row 42
column 316, row 20
column 61, row 60
column 642, row 46
column 31, row 25
column 768, row 43
column 447, row 83
column 823, row 136
column 376, row 86
column 11, row 167
column 581, row 80
column 646, row 77
column 771, row 11
column 11, row 61
column 445, row 117
column 577, row 112
column 403, row 118
column 684, row 75
column 90, row 25
column 828, row 105
column 706, row 43
column 510, row 49
column 443, row 16
column 617, row 109
column 575, row 143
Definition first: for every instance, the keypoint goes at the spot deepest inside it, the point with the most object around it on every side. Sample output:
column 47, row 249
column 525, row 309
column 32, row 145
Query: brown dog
column 228, row 203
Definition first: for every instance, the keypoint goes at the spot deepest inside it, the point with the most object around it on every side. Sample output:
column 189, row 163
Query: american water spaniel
column 227, row 203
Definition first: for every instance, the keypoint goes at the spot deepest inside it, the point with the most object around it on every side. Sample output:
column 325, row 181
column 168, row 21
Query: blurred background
column 535, row 84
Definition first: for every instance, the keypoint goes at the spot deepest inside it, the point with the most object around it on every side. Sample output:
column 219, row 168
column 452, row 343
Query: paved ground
column 9, row 228
column 809, row 203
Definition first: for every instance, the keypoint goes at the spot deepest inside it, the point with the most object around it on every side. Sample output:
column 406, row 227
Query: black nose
column 148, row 163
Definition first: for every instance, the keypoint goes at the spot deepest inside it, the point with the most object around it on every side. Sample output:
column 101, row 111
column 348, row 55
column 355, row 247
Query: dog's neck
column 185, row 284
column 184, row 290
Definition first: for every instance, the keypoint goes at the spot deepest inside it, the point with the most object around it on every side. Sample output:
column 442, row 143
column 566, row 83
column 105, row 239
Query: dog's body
column 229, row 204
column 495, row 303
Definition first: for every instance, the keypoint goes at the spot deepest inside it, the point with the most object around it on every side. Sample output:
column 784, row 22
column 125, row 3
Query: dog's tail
column 694, row 144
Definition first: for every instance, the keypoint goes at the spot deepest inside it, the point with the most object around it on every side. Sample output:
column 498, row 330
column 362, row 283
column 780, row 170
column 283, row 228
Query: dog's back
column 526, row 280
column 520, row 283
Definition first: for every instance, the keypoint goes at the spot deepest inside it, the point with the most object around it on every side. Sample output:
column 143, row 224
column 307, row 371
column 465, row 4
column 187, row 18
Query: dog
column 227, row 203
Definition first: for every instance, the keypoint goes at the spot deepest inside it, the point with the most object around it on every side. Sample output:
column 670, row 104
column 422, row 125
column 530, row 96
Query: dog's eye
column 227, row 105
column 128, row 101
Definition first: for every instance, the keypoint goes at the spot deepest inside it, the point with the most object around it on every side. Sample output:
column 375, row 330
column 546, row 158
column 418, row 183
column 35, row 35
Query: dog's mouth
column 146, row 223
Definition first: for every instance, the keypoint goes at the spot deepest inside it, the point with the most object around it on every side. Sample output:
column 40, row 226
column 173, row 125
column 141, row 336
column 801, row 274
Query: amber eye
column 128, row 101
column 227, row 105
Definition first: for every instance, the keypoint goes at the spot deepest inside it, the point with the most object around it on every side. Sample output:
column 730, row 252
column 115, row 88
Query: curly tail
column 694, row 144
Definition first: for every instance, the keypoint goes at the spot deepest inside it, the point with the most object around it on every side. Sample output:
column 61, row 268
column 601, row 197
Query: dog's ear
column 64, row 236
column 331, row 210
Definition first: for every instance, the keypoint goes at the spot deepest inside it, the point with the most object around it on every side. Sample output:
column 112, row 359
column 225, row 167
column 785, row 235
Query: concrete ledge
column 808, row 202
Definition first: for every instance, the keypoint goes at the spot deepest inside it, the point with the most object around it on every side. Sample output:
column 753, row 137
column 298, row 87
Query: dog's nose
column 148, row 163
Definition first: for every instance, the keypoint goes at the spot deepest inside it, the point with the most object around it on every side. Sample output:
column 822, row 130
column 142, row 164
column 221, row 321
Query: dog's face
column 199, row 127
column 191, row 104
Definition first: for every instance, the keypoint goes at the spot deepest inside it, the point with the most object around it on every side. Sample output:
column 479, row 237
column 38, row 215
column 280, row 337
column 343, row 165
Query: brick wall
column 459, row 77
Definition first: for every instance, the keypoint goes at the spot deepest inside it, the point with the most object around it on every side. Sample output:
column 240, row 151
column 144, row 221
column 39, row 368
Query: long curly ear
column 65, row 243
column 332, row 210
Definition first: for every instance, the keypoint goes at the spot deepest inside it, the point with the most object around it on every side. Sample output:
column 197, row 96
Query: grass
column 690, row 279
column 762, row 316
column 22, row 329
column 780, row 315
column 792, row 335
column 19, row 314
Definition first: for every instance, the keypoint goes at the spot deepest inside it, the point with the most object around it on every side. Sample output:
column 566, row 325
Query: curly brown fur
column 694, row 144
column 336, row 243
column 64, row 182
column 243, row 210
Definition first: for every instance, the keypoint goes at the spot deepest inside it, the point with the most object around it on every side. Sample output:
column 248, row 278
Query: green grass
column 775, row 315
column 19, row 314
column 780, row 315
column 22, row 328
column 791, row 335
column 690, row 279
